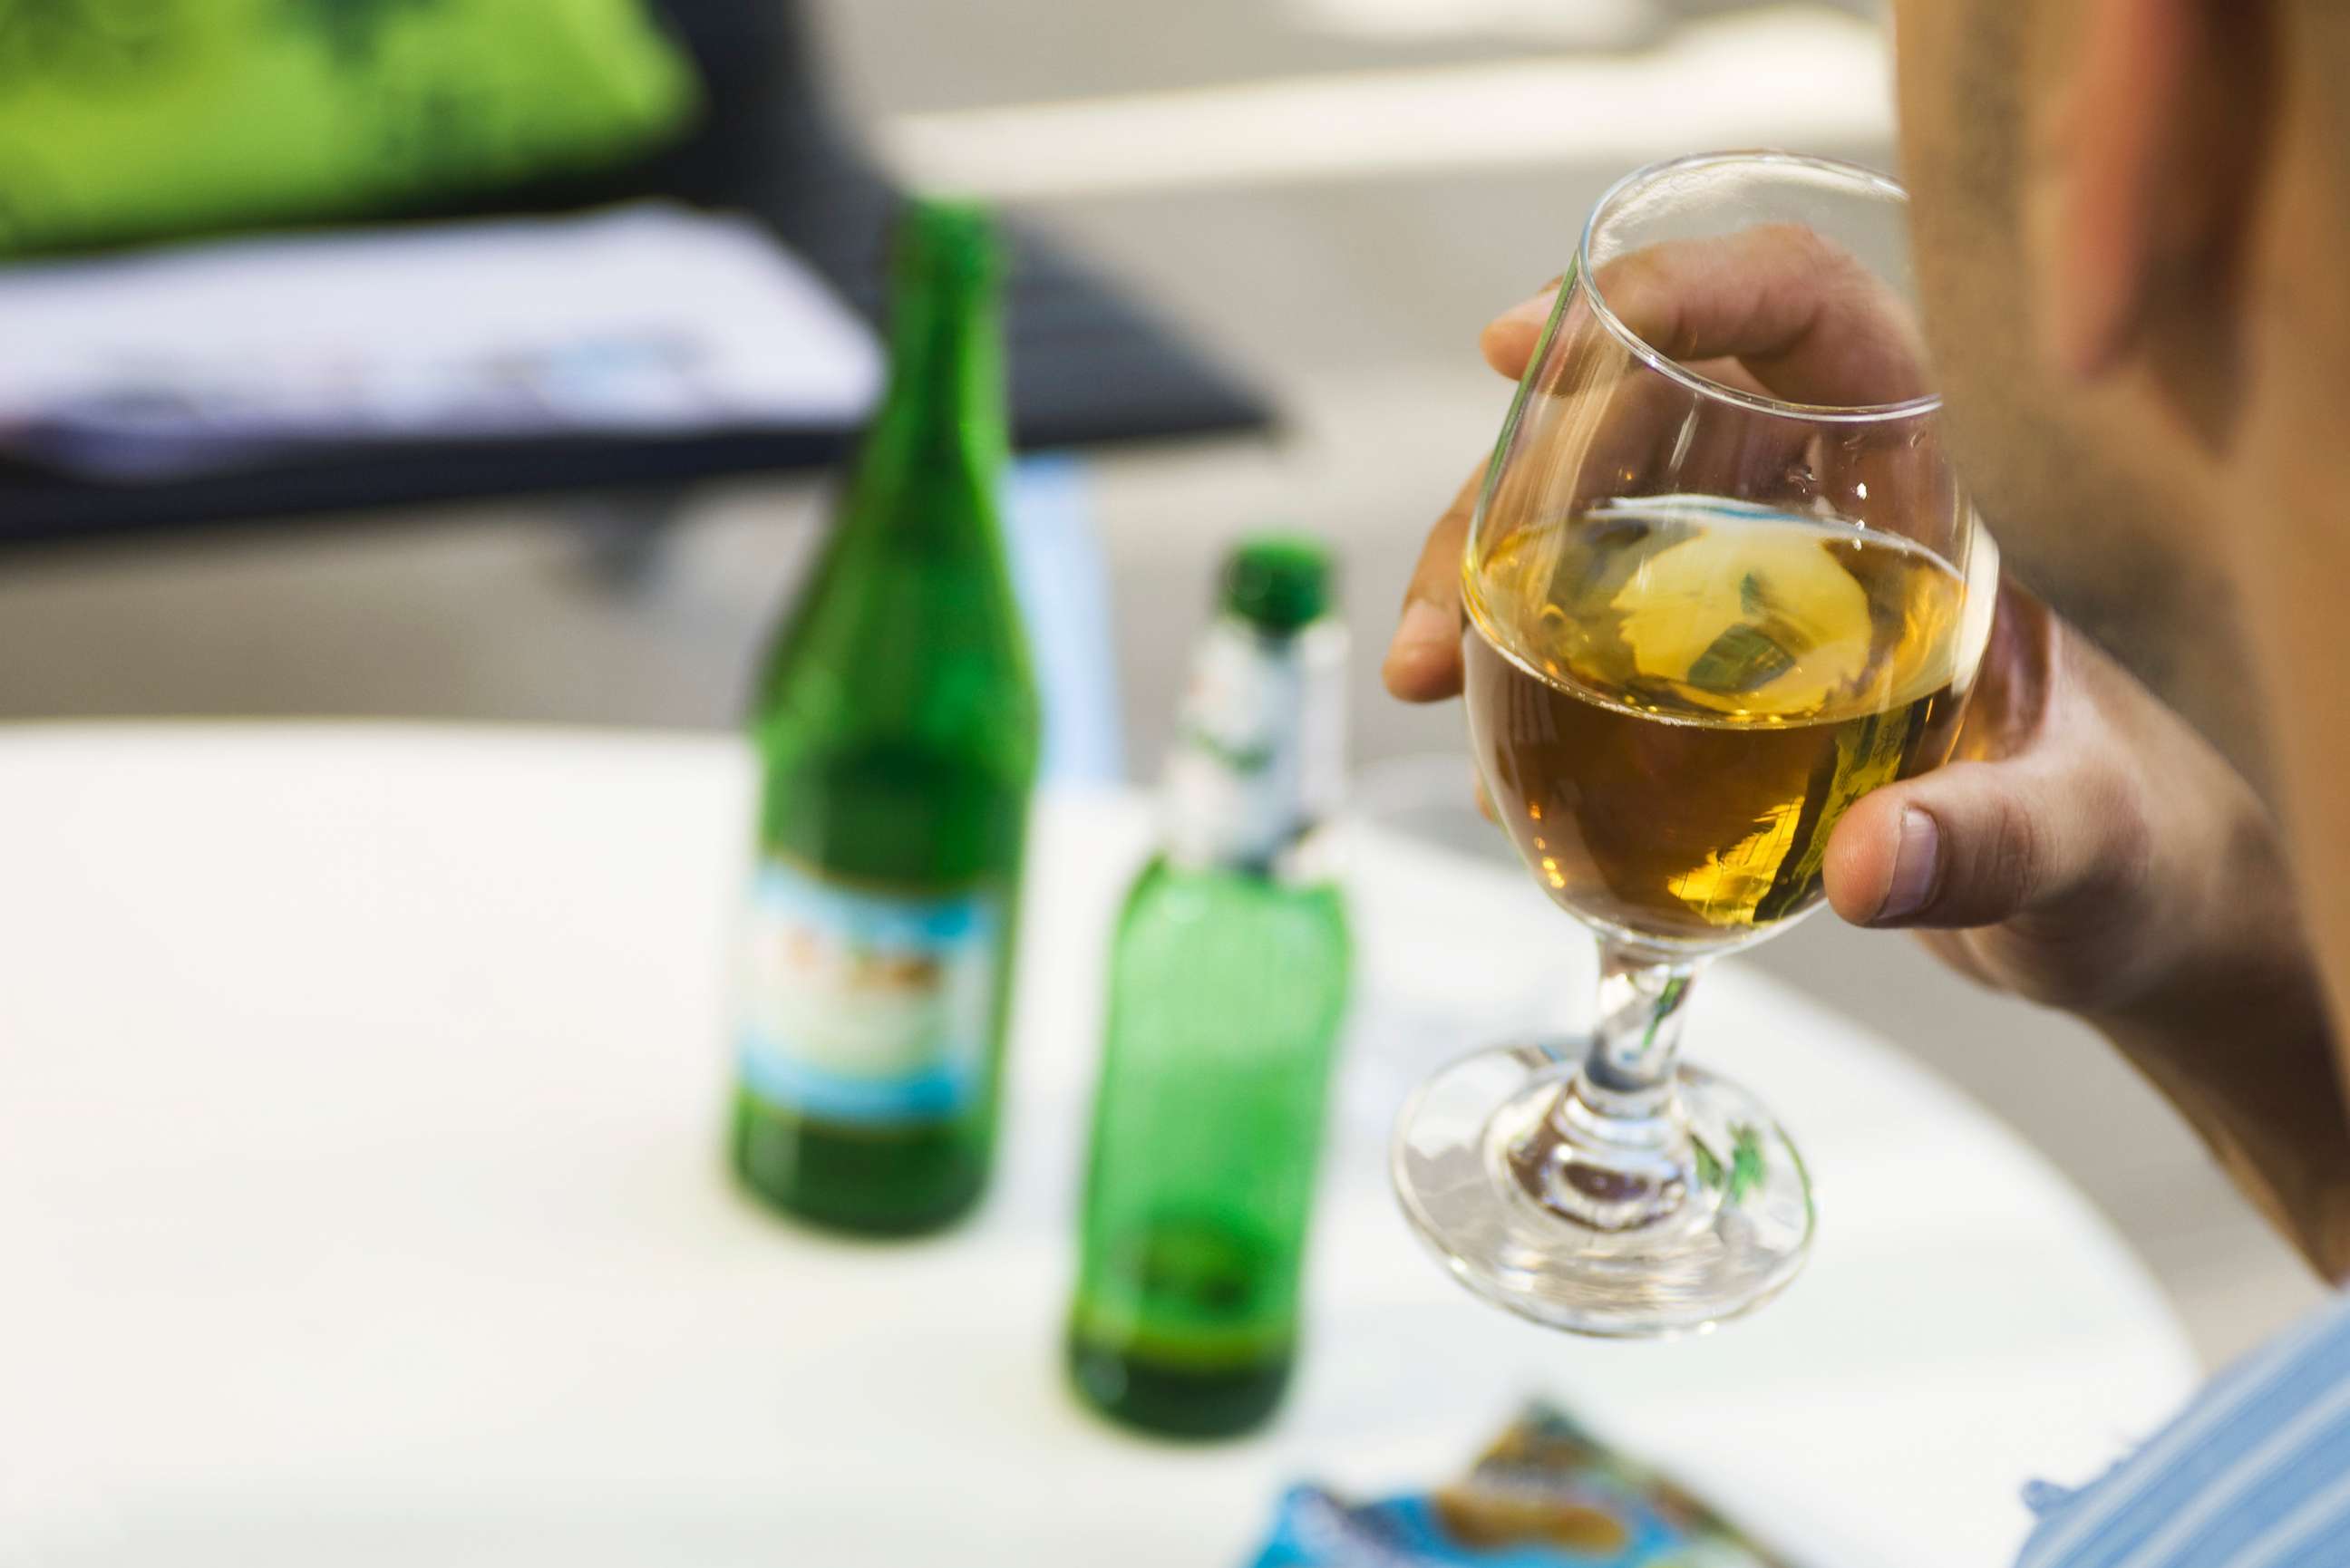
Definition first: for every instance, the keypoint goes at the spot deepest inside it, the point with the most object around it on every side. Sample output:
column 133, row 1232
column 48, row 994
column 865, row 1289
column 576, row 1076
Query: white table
column 361, row 1203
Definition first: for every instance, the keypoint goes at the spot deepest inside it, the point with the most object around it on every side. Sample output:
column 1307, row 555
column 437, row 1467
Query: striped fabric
column 2254, row 1474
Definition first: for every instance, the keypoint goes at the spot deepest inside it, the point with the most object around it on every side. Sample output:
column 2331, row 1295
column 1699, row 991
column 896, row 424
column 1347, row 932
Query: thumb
column 1975, row 844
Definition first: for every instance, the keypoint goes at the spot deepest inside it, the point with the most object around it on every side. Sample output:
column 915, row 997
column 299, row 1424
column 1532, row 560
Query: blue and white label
column 867, row 1007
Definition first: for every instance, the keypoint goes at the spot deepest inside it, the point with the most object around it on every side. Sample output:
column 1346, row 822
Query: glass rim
column 1706, row 386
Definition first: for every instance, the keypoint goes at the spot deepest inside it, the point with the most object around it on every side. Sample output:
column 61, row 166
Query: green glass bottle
column 897, row 724
column 1228, row 987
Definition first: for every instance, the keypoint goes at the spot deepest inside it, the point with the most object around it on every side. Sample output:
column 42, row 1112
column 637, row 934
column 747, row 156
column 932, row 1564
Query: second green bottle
column 1227, row 988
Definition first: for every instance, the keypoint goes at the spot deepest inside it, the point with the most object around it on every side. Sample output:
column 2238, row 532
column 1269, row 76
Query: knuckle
column 2114, row 860
column 2015, row 854
column 2126, row 861
column 1812, row 252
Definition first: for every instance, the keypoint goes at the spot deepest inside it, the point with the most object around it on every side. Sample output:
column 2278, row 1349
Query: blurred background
column 1265, row 235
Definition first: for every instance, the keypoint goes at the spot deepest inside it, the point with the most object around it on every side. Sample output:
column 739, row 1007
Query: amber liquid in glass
column 1673, row 700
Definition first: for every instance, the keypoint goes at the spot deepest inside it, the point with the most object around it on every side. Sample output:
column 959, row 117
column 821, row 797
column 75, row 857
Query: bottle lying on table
column 897, row 727
column 1229, row 977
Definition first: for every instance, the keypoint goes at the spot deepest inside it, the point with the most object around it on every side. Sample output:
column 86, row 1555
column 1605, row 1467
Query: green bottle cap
column 940, row 236
column 1278, row 582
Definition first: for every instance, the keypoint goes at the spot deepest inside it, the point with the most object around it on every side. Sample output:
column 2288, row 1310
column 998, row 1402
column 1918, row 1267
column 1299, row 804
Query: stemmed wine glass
column 1721, row 583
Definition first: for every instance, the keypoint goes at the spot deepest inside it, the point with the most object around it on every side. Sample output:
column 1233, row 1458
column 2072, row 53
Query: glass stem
column 1614, row 1153
column 1635, row 1041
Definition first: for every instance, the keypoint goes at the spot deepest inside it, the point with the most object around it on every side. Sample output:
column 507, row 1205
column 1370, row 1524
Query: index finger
column 1423, row 661
column 1805, row 318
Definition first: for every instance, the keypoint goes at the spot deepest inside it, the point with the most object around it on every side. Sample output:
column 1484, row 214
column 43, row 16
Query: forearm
column 2250, row 1063
column 2244, row 1042
column 2226, row 1011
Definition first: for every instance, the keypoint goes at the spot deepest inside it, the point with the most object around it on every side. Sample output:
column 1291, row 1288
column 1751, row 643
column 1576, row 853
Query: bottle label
column 1260, row 755
column 867, row 1007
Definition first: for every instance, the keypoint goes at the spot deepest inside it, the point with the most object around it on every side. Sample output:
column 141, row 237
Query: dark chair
column 1089, row 364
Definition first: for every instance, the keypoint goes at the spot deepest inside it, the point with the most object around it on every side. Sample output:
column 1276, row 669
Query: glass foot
column 1670, row 1233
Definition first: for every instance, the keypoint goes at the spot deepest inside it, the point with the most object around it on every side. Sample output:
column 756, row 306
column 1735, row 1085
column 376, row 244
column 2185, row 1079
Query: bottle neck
column 943, row 419
column 1259, row 760
column 916, row 560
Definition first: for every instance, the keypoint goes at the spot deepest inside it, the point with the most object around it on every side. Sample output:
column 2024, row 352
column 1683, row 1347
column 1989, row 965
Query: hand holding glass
column 1720, row 584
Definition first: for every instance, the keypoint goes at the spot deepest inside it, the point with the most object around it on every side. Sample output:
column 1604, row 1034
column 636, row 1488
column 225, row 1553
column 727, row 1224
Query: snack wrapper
column 1544, row 1495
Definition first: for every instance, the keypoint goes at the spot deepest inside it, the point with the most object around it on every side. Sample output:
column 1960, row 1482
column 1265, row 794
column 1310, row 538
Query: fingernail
column 1916, row 860
column 1425, row 625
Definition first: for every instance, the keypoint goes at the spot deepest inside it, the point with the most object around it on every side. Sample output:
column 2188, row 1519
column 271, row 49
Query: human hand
column 2087, row 844
column 2085, row 848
